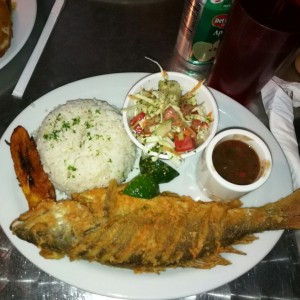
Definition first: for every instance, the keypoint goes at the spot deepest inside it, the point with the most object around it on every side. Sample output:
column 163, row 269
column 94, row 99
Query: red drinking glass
column 260, row 36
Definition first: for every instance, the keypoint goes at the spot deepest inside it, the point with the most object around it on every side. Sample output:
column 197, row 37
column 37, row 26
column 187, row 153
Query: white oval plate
column 123, row 283
column 23, row 18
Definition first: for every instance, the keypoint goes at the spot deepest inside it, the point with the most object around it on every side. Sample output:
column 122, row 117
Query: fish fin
column 170, row 194
column 235, row 203
column 248, row 239
column 207, row 262
column 111, row 194
column 51, row 254
column 231, row 249
column 32, row 178
column 213, row 260
column 144, row 269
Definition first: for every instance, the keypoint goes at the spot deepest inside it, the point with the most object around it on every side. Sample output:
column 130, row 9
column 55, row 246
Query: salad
column 166, row 121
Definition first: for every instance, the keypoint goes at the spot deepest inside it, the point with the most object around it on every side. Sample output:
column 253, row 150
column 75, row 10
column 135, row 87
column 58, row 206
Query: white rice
column 83, row 145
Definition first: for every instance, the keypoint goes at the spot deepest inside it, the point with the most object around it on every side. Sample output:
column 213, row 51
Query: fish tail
column 242, row 222
column 287, row 211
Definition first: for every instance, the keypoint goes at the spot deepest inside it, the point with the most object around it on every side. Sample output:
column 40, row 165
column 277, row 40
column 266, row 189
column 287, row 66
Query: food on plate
column 153, row 172
column 6, row 31
column 107, row 226
column 33, row 180
column 161, row 171
column 166, row 121
column 142, row 186
column 236, row 161
column 83, row 145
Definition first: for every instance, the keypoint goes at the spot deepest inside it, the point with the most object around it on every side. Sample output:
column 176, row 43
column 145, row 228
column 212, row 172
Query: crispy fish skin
column 106, row 226
column 34, row 182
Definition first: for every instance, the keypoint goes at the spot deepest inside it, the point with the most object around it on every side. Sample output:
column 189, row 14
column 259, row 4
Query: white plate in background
column 23, row 18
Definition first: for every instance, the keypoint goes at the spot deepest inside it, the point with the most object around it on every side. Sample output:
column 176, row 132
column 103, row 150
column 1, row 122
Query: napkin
column 291, row 88
column 279, row 97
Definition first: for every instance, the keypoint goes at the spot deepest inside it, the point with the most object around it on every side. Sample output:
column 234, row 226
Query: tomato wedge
column 185, row 144
column 137, row 118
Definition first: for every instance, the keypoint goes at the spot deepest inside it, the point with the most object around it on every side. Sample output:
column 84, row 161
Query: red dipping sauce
column 236, row 161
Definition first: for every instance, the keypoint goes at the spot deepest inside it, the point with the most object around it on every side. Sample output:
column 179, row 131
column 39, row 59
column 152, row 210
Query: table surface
column 95, row 37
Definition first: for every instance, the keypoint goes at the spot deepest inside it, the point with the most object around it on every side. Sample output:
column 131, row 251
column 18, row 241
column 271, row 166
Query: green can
column 201, row 28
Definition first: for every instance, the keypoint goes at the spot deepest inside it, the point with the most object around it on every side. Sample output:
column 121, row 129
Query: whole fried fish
column 106, row 226
column 112, row 228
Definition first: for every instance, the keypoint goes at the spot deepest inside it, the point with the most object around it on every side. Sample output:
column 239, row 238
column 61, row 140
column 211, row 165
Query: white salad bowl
column 187, row 83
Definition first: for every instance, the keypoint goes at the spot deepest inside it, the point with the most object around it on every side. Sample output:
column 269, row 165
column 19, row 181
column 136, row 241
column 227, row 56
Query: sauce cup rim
column 226, row 184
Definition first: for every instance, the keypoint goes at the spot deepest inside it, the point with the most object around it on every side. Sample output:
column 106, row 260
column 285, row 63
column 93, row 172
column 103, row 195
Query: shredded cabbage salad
column 168, row 122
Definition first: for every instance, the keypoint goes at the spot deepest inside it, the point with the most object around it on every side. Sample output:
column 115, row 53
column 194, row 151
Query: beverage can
column 201, row 28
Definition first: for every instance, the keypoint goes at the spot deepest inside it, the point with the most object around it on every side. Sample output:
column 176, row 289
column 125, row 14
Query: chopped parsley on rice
column 83, row 145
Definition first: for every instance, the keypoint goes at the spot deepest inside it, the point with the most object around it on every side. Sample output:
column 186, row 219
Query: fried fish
column 106, row 226
column 109, row 227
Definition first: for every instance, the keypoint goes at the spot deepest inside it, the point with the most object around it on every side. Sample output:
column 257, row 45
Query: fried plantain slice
column 32, row 178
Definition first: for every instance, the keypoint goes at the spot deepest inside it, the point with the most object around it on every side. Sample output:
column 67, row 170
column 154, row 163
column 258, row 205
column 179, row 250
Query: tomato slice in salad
column 187, row 143
column 137, row 118
column 134, row 122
